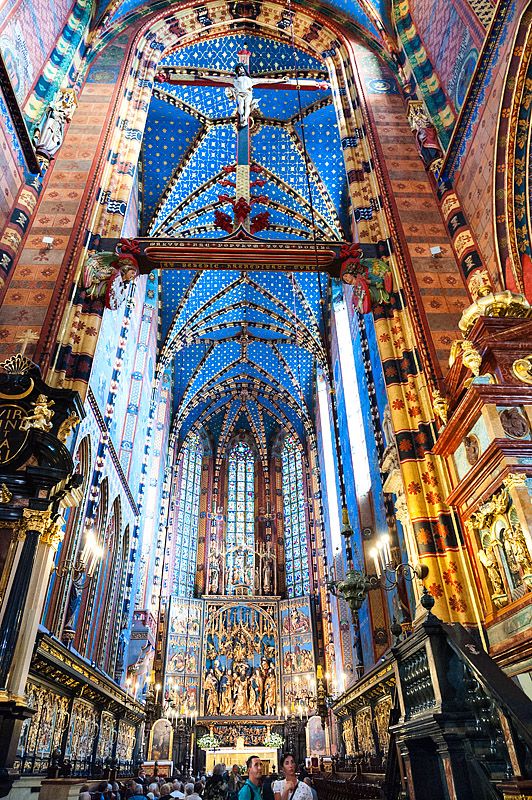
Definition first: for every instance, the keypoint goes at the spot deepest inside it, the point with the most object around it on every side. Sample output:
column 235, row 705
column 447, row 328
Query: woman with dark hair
column 290, row 788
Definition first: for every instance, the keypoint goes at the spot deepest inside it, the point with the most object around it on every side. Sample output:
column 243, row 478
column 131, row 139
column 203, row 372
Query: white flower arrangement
column 274, row 740
column 209, row 742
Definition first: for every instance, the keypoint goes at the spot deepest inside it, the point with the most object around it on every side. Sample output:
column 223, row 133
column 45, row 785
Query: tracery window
column 295, row 529
column 186, row 540
column 240, row 540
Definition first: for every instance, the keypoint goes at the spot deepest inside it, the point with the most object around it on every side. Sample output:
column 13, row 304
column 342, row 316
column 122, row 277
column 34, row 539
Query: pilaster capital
column 515, row 480
column 500, row 304
column 33, row 520
column 53, row 533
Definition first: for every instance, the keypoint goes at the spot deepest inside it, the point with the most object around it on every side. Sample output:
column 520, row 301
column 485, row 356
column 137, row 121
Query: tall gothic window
column 240, row 539
column 186, row 540
column 295, row 529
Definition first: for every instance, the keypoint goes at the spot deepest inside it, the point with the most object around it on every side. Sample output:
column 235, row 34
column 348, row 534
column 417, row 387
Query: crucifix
column 240, row 88
column 241, row 249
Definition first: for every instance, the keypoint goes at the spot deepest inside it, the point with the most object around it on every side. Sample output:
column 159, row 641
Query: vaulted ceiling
column 244, row 347
column 368, row 14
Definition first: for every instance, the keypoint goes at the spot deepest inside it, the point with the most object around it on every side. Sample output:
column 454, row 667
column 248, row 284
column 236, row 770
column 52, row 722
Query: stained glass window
column 240, row 540
column 186, row 540
column 295, row 529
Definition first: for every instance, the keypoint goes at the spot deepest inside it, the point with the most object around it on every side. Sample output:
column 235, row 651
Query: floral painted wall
column 452, row 36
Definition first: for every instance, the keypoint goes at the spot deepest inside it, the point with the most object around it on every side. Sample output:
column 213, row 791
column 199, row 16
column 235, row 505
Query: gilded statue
column 270, row 693
column 489, row 562
column 363, row 730
column 211, row 694
column 226, row 694
column 382, row 719
column 241, row 692
column 41, row 417
column 254, row 696
column 67, row 426
column 515, row 538
column 348, row 736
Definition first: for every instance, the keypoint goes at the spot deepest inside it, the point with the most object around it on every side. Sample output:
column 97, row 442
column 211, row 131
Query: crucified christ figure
column 240, row 87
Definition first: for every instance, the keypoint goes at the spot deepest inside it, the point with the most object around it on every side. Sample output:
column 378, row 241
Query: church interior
column 266, row 394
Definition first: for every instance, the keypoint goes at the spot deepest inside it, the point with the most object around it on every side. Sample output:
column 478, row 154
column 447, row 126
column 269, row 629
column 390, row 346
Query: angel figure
column 107, row 276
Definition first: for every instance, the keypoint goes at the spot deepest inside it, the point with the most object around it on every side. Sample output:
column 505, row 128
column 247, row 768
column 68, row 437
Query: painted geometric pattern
column 361, row 11
column 232, row 340
column 452, row 36
column 426, row 76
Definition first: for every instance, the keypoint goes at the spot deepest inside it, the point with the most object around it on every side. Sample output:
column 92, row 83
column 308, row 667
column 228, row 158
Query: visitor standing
column 290, row 788
column 251, row 788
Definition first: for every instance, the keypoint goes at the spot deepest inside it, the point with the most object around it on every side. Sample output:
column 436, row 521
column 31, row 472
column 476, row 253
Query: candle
column 386, row 548
column 376, row 561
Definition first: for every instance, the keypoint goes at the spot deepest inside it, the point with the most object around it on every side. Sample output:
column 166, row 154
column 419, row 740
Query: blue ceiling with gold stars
column 244, row 346
column 190, row 138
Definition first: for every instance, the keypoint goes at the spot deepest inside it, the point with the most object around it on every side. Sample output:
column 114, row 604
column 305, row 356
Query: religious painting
column 161, row 740
column 240, row 660
column 316, row 737
column 299, row 673
column 183, row 655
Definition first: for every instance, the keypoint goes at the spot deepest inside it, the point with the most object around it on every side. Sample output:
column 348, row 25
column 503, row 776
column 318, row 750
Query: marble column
column 46, row 549
column 33, row 524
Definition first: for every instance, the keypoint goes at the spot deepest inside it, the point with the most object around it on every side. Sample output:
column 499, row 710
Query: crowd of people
column 292, row 784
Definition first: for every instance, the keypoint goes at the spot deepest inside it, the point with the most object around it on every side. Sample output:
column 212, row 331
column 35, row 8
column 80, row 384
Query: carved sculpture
column 66, row 427
column 211, row 694
column 522, row 369
column 516, row 539
column 348, row 736
column 471, row 358
column 41, row 418
column 270, row 693
column 267, row 574
column 424, row 132
column 371, row 278
column 49, row 135
column 382, row 719
column 107, row 276
column 440, row 405
column 363, row 730
column 489, row 562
